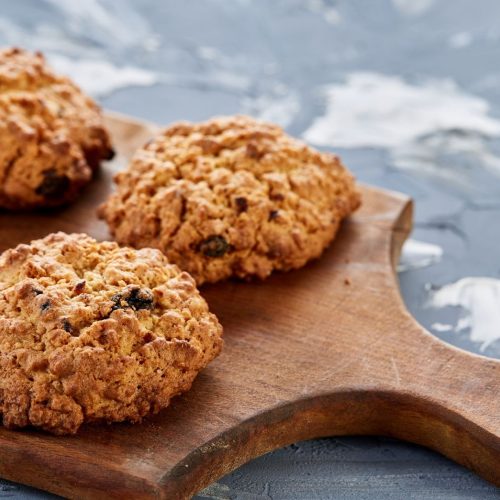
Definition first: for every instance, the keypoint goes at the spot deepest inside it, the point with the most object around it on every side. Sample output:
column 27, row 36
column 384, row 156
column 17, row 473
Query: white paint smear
column 441, row 327
column 450, row 155
column 83, row 27
column 100, row 78
column 417, row 254
column 460, row 40
column 111, row 24
column 372, row 109
column 329, row 13
column 480, row 299
column 277, row 109
column 208, row 53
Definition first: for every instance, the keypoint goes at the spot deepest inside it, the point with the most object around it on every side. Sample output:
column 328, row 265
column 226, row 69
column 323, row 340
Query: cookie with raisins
column 229, row 197
column 91, row 332
column 52, row 136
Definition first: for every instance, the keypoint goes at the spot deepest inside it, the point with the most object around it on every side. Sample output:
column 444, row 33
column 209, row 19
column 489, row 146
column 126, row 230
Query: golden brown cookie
column 230, row 197
column 91, row 332
column 52, row 136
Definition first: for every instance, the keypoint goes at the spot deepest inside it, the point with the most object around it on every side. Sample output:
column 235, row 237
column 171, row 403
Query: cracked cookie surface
column 52, row 136
column 90, row 332
column 232, row 196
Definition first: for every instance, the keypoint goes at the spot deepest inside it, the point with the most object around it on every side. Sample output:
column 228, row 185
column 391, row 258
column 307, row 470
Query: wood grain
column 326, row 350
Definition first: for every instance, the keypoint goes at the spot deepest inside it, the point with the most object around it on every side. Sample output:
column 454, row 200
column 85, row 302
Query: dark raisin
column 53, row 184
column 67, row 325
column 110, row 154
column 45, row 305
column 136, row 298
column 140, row 298
column 214, row 246
column 79, row 287
column 274, row 253
column 273, row 214
column 253, row 152
column 94, row 156
column 117, row 299
column 241, row 204
column 277, row 197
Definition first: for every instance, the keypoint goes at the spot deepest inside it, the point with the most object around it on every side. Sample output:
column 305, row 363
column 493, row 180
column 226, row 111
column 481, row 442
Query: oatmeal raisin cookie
column 230, row 197
column 52, row 135
column 93, row 332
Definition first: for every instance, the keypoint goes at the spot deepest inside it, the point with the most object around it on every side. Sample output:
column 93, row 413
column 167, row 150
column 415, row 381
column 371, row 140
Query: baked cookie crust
column 232, row 196
column 52, row 136
column 93, row 332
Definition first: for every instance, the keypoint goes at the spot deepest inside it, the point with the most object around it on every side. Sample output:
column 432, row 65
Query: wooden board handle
column 443, row 398
column 429, row 392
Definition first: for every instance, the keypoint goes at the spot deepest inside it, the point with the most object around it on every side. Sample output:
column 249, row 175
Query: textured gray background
column 194, row 59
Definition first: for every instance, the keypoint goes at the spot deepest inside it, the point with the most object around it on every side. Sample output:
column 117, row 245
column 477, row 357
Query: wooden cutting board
column 326, row 350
